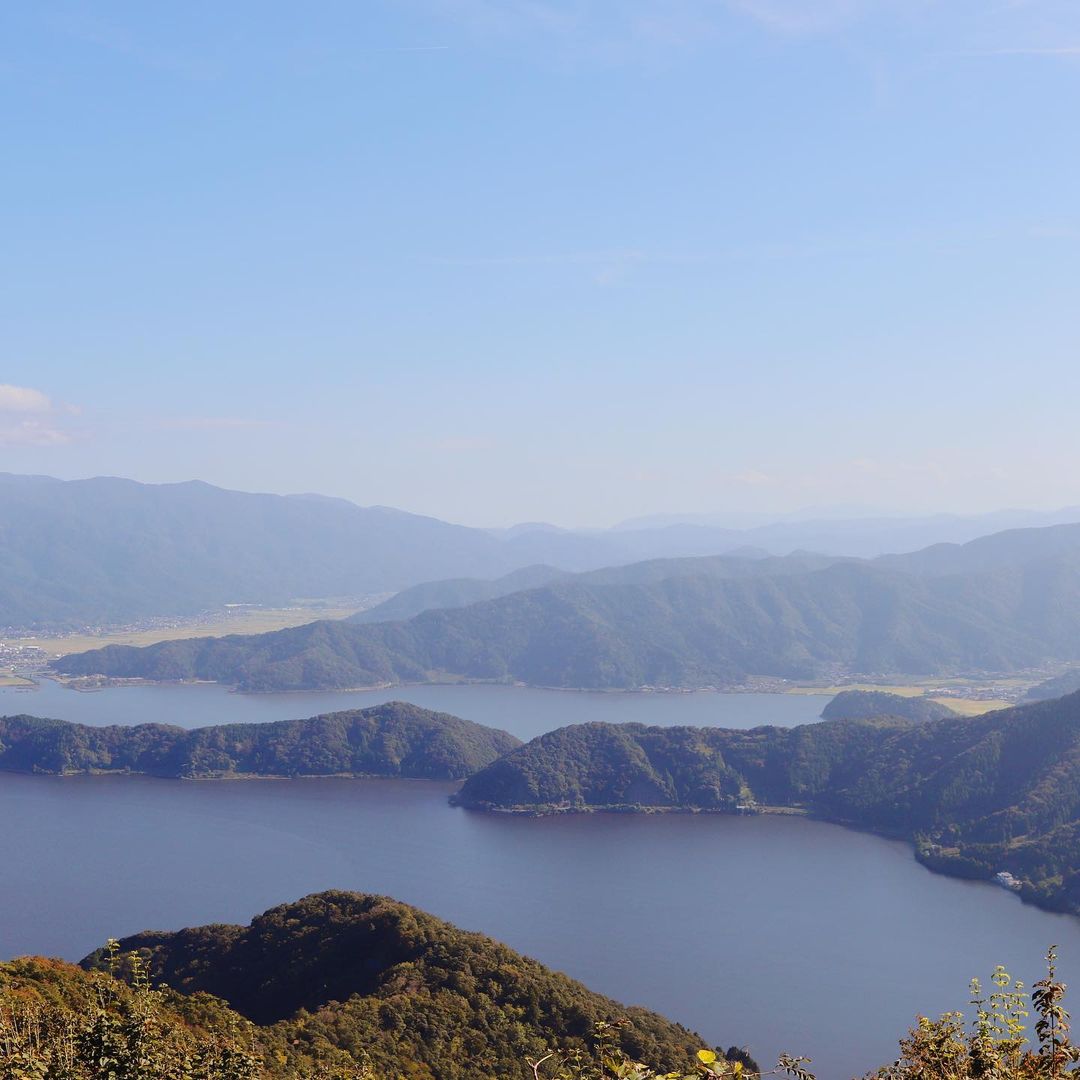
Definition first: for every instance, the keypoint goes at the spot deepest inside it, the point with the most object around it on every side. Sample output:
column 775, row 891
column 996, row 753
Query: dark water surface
column 772, row 932
column 524, row 712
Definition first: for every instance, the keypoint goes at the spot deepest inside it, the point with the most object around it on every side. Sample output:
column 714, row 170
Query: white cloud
column 23, row 399
column 32, row 433
column 27, row 418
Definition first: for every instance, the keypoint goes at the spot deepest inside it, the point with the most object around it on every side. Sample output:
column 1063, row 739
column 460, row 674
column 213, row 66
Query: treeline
column 396, row 739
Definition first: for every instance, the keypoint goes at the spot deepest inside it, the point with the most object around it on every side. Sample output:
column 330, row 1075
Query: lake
column 524, row 712
column 773, row 932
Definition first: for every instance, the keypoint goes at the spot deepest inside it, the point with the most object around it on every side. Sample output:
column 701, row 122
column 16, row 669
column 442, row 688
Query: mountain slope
column 396, row 739
column 395, row 985
column 110, row 550
column 456, row 592
column 979, row 794
column 461, row 592
column 337, row 985
column 686, row 631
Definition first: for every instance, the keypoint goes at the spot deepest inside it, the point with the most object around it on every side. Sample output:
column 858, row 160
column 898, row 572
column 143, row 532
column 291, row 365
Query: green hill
column 396, row 739
column 688, row 631
column 394, row 987
column 460, row 592
column 977, row 795
column 456, row 592
column 867, row 704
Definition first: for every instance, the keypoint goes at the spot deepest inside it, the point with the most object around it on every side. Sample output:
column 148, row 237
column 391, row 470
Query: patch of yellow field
column 972, row 706
column 832, row 691
column 966, row 706
column 257, row 621
column 14, row 680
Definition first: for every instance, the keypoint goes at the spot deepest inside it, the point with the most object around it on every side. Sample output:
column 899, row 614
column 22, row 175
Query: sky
column 562, row 260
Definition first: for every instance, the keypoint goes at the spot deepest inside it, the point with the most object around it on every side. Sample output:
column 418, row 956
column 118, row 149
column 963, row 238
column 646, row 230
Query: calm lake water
column 524, row 712
column 772, row 932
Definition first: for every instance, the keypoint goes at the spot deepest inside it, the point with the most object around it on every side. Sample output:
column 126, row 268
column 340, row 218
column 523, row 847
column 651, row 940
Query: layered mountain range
column 110, row 551
column 1002, row 603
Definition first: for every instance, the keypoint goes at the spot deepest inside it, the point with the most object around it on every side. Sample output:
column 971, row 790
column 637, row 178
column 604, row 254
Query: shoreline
column 779, row 687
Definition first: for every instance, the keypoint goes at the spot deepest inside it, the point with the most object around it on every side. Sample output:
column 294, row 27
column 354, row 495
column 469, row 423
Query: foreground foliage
column 343, row 986
column 395, row 988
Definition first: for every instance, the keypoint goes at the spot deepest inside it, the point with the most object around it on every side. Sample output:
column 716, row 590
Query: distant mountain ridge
column 112, row 551
column 683, row 623
column 462, row 592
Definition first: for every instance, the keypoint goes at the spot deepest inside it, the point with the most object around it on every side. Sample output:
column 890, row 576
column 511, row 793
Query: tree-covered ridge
column 396, row 988
column 690, row 631
column 867, row 704
column 977, row 794
column 456, row 592
column 59, row 1022
column 460, row 592
column 396, row 739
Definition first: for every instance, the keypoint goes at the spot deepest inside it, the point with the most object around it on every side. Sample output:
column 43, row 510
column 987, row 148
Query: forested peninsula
column 396, row 739
column 976, row 795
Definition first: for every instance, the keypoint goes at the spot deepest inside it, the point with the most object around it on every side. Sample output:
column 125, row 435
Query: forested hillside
column 687, row 631
column 867, row 704
column 337, row 986
column 464, row 591
column 978, row 795
column 109, row 550
column 397, row 988
column 396, row 739
column 457, row 592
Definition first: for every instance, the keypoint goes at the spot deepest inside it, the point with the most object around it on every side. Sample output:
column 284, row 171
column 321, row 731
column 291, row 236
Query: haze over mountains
column 109, row 550
column 1001, row 603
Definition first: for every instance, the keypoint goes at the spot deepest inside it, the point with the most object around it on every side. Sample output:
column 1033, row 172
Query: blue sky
column 501, row 260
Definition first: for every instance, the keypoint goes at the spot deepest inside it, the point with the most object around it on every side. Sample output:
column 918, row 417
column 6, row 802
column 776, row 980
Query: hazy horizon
column 558, row 261
column 734, row 519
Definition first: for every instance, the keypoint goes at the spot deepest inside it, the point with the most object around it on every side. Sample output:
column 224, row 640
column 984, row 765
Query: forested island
column 396, row 739
column 976, row 795
column 338, row 984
